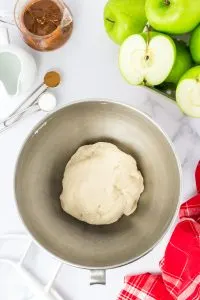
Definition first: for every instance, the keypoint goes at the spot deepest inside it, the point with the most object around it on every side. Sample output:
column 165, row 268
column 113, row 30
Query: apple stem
column 110, row 20
column 167, row 2
column 148, row 40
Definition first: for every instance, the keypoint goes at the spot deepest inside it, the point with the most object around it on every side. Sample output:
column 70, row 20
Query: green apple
column 188, row 92
column 123, row 18
column 147, row 58
column 182, row 63
column 173, row 16
column 195, row 45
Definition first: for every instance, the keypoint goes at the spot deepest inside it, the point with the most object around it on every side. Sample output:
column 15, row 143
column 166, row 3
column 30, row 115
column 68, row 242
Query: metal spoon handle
column 26, row 102
column 7, row 127
column 19, row 116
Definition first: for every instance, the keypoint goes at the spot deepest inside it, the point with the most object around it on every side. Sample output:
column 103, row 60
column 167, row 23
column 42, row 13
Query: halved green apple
column 147, row 58
column 188, row 92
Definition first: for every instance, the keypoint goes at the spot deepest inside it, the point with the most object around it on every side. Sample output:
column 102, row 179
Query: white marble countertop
column 88, row 63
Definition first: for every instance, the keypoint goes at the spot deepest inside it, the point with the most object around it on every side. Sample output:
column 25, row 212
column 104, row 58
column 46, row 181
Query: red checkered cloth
column 180, row 267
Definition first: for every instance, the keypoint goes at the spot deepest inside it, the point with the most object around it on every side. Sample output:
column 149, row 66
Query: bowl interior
column 40, row 170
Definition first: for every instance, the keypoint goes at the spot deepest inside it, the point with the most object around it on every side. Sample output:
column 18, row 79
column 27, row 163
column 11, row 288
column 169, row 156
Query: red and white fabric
column 180, row 268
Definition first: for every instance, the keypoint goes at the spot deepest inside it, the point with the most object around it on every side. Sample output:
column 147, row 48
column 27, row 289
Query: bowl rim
column 39, row 125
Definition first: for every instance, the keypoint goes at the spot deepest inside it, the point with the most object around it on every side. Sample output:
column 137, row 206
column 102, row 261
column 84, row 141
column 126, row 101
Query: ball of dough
column 100, row 184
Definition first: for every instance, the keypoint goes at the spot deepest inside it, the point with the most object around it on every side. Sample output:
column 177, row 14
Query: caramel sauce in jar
column 45, row 24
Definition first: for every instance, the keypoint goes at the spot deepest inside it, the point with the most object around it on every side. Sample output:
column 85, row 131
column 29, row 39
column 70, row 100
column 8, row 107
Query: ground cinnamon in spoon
column 52, row 79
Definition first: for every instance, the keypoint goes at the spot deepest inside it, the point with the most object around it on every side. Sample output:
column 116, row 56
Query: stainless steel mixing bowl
column 40, row 169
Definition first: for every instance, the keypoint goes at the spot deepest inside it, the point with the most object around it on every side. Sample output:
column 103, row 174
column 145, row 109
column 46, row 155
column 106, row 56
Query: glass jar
column 45, row 24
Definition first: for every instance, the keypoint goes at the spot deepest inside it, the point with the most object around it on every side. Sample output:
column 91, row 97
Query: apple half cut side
column 188, row 92
column 147, row 58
